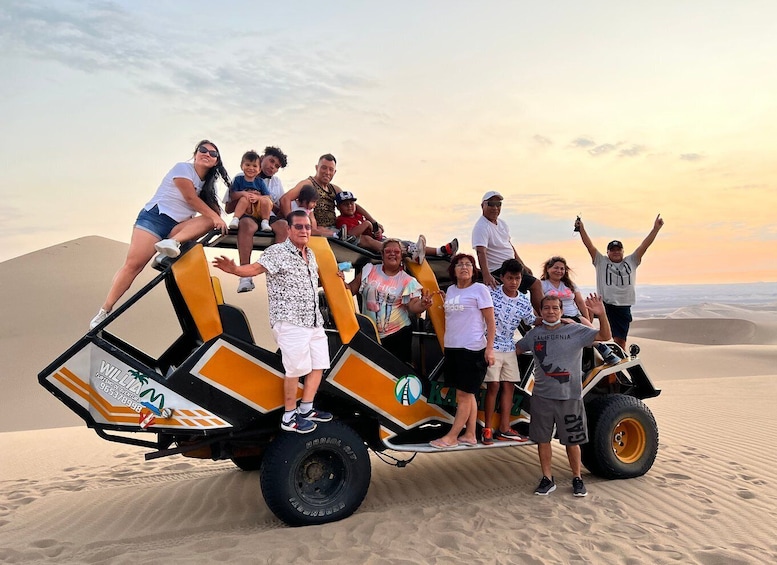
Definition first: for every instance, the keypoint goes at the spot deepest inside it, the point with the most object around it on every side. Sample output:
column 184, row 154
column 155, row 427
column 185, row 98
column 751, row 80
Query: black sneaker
column 488, row 437
column 317, row 416
column 578, row 488
column 546, row 486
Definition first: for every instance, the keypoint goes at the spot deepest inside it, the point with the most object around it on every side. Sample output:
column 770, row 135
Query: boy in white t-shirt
column 510, row 309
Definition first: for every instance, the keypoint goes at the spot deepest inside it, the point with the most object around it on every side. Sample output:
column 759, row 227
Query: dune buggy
column 212, row 392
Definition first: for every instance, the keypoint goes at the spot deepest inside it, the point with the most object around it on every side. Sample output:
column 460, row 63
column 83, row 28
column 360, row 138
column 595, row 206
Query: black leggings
column 400, row 343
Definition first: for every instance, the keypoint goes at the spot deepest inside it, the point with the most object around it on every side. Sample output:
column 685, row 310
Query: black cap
column 614, row 243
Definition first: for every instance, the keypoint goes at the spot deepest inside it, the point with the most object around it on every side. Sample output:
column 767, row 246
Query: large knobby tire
column 623, row 437
column 315, row 478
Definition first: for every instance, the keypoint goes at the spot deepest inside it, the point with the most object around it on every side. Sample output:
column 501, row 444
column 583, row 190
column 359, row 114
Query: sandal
column 440, row 444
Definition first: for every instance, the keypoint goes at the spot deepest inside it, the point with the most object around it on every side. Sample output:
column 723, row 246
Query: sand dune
column 67, row 496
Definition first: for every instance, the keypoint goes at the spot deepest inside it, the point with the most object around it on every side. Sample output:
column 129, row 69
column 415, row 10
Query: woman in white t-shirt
column 171, row 216
column 469, row 347
column 557, row 282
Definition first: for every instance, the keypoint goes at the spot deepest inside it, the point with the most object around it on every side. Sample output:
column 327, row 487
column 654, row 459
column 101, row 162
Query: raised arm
column 596, row 307
column 584, row 237
column 651, row 237
column 229, row 266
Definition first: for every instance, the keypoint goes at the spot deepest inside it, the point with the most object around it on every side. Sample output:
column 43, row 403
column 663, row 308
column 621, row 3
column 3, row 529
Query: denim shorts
column 155, row 223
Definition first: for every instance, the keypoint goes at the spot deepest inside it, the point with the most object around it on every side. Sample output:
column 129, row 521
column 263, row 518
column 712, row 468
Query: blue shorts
column 619, row 318
column 155, row 223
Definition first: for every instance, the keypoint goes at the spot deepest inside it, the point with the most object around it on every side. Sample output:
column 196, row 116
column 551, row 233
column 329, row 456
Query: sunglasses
column 211, row 152
column 300, row 227
column 495, row 204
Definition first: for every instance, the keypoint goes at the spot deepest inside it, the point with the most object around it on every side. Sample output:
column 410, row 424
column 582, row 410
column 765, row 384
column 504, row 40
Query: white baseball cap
column 490, row 194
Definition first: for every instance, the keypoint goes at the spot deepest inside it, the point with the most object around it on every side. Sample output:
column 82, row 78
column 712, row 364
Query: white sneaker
column 233, row 225
column 98, row 319
column 419, row 253
column 169, row 247
column 246, row 284
column 265, row 226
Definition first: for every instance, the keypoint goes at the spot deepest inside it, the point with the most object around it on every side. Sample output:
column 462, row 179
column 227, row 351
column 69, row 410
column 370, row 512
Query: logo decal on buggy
column 129, row 388
column 407, row 390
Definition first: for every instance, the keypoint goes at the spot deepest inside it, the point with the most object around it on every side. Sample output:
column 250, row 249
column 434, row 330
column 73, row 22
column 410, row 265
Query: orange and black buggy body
column 212, row 393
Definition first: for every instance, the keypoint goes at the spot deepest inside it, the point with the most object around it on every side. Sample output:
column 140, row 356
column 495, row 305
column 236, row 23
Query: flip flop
column 439, row 444
column 468, row 443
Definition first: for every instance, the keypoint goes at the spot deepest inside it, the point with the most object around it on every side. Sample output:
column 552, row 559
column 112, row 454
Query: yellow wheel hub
column 629, row 440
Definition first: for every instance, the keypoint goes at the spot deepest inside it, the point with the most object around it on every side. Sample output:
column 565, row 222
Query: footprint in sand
column 746, row 494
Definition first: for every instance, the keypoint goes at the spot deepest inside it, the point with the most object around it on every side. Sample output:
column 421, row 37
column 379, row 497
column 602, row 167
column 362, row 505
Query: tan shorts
column 505, row 368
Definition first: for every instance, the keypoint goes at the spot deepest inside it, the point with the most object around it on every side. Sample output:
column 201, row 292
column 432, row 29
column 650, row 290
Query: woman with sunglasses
column 183, row 208
column 469, row 347
column 389, row 296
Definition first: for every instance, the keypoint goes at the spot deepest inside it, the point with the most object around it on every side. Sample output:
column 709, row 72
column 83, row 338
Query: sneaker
column 233, row 225
column 510, row 435
column 316, row 415
column 169, row 247
column 578, row 488
column 98, row 319
column 546, row 486
column 265, row 226
column 246, row 284
column 419, row 253
column 488, row 437
column 450, row 249
column 608, row 355
column 352, row 239
column 298, row 424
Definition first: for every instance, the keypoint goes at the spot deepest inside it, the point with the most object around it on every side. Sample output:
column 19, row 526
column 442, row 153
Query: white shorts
column 302, row 349
column 505, row 368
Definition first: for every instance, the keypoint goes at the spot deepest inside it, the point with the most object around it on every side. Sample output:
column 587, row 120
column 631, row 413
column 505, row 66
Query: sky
column 616, row 111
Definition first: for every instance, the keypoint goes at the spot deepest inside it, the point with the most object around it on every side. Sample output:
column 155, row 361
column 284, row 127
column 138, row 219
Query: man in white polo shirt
column 491, row 241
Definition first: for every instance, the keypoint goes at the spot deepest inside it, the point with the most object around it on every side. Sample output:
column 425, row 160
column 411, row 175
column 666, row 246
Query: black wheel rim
column 320, row 477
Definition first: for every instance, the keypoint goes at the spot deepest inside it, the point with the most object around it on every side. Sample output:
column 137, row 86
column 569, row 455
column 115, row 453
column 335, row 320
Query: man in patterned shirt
column 510, row 308
column 296, row 321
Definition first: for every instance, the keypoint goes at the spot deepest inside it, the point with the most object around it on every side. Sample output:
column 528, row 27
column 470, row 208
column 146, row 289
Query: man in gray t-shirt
column 616, row 277
column 557, row 398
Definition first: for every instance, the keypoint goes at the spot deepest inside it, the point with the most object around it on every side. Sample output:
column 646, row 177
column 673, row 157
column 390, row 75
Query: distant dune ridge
column 67, row 496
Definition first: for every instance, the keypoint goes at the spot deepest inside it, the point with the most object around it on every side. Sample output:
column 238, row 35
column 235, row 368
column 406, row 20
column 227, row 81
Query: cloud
column 583, row 142
column 542, row 140
column 691, row 157
column 104, row 37
column 603, row 149
column 597, row 149
column 633, row 151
